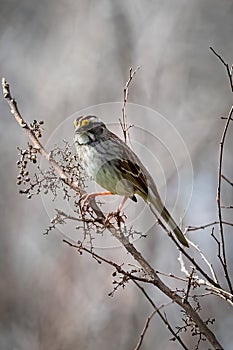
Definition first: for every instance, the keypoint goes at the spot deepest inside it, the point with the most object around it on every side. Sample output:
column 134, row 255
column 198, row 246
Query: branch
column 142, row 335
column 223, row 259
column 209, row 265
column 223, row 248
column 79, row 246
column 200, row 282
column 204, row 329
column 202, row 227
column 190, row 277
column 169, row 293
column 226, row 65
column 164, row 319
column 123, row 122
column 227, row 180
column 38, row 146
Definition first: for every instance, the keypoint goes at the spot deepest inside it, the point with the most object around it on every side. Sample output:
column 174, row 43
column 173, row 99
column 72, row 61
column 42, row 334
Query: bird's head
column 88, row 128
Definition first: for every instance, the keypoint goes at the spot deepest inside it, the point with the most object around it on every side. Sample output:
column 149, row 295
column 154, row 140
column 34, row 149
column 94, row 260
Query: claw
column 84, row 201
column 116, row 215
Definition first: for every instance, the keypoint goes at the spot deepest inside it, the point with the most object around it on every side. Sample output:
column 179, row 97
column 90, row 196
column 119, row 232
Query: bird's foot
column 84, row 202
column 120, row 219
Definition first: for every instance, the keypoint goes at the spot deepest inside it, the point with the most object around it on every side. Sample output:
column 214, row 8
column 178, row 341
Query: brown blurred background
column 63, row 56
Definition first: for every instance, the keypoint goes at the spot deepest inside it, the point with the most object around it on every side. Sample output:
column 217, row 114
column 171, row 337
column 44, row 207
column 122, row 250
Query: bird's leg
column 122, row 204
column 87, row 197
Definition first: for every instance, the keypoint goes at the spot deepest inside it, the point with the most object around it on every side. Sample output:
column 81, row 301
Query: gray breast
column 96, row 160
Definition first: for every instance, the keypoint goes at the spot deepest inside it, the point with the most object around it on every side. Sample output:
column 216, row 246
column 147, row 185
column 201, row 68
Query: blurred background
column 64, row 56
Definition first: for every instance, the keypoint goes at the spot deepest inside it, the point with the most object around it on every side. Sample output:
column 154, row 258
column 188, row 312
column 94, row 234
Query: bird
column 116, row 168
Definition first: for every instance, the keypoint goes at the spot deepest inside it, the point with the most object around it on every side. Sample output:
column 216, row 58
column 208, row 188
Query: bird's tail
column 158, row 205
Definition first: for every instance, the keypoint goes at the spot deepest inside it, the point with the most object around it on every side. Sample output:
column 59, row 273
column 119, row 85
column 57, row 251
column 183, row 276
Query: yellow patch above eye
column 75, row 123
column 85, row 122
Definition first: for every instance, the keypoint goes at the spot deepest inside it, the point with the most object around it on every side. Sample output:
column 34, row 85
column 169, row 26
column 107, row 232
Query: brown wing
column 132, row 172
column 136, row 172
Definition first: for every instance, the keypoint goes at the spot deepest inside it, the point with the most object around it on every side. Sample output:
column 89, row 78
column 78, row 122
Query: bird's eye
column 98, row 130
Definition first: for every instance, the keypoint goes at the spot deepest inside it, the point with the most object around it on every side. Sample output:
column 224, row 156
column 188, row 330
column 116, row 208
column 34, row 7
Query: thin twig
column 182, row 265
column 227, row 180
column 164, row 319
column 79, row 246
column 71, row 217
column 202, row 227
column 223, row 259
column 39, row 147
column 221, row 293
column 142, row 335
column 189, row 284
column 210, row 266
column 170, row 275
column 200, row 282
column 123, row 122
column 225, row 118
column 218, row 243
column 223, row 248
column 226, row 65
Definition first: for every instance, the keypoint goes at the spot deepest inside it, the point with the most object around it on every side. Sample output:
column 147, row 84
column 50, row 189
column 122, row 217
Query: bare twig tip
column 5, row 88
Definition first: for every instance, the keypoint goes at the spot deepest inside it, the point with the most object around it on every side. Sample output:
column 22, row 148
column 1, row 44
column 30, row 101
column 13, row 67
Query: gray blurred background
column 63, row 56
